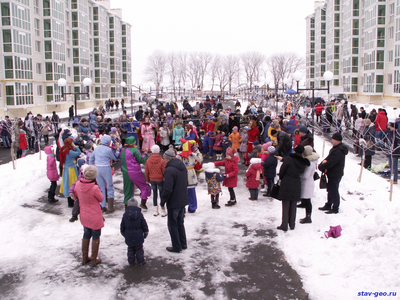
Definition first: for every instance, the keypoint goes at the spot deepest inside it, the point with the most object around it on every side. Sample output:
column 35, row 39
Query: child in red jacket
column 23, row 143
column 231, row 173
column 253, row 177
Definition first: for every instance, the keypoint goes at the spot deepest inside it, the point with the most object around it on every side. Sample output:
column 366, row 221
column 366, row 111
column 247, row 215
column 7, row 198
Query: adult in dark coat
column 233, row 121
column 289, row 174
column 139, row 114
column 284, row 146
column 224, row 127
column 368, row 134
column 306, row 138
column 333, row 166
column 134, row 228
column 269, row 166
column 175, row 195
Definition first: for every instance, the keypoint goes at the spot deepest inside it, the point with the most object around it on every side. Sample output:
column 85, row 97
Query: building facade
column 359, row 41
column 45, row 40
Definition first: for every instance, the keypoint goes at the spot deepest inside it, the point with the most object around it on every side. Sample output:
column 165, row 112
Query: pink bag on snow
column 334, row 231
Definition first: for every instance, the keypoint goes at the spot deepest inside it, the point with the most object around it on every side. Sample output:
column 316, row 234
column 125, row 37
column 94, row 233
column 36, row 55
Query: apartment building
column 45, row 40
column 359, row 41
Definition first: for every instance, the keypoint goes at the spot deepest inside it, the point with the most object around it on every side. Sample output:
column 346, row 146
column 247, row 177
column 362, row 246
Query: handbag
column 334, row 231
column 316, row 176
column 323, row 181
column 275, row 190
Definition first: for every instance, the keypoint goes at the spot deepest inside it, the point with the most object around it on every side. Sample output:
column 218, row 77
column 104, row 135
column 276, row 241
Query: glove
column 227, row 175
column 145, row 234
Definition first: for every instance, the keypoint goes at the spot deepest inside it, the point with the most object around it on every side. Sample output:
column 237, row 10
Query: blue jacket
column 93, row 122
column 290, row 127
column 71, row 157
column 102, row 154
column 84, row 129
column 132, row 130
column 133, row 226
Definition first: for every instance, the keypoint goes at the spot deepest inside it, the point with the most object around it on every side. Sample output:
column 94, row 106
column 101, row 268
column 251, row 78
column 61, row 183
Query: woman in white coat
column 307, row 182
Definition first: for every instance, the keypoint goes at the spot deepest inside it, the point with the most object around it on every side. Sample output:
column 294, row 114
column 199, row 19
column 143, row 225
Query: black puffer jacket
column 133, row 226
column 284, row 143
column 334, row 165
column 293, row 166
column 269, row 165
column 175, row 185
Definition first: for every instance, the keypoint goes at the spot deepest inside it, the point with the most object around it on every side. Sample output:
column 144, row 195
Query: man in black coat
column 333, row 166
column 139, row 114
column 176, row 196
column 284, row 146
column 224, row 127
column 289, row 174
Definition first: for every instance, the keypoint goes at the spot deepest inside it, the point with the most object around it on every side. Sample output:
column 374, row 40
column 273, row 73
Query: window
column 38, row 68
column 47, row 50
column 46, row 7
column 379, row 83
column 390, row 56
column 68, row 53
column 37, row 27
column 10, row 95
column 36, row 6
column 67, row 18
column 391, row 33
column 69, row 71
column 67, row 36
column 40, row 90
column 8, row 67
column 5, row 14
column 389, row 79
column 47, row 27
column 7, row 42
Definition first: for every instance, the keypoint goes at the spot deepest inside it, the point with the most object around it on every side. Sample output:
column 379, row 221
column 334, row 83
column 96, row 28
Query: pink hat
column 231, row 152
column 266, row 145
column 235, row 128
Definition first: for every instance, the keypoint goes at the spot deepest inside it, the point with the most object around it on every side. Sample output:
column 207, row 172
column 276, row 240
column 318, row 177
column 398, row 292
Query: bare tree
column 231, row 66
column 205, row 59
column 193, row 69
column 10, row 127
column 215, row 66
column 156, row 65
column 173, row 69
column 182, row 69
column 252, row 62
column 283, row 65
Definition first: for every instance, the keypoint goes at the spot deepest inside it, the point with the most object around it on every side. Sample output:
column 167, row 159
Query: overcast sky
column 216, row 26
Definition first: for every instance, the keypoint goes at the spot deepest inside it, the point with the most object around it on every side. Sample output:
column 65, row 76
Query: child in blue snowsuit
column 134, row 229
column 132, row 128
column 208, row 144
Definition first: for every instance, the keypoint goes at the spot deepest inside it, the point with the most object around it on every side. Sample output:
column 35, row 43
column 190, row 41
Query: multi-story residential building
column 45, row 40
column 359, row 41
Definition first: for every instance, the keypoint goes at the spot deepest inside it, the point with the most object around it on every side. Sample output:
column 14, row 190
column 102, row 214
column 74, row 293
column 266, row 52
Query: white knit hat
column 155, row 149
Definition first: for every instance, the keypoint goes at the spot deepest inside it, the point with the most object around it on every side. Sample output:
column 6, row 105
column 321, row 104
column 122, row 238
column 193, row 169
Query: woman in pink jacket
column 52, row 173
column 90, row 197
column 148, row 134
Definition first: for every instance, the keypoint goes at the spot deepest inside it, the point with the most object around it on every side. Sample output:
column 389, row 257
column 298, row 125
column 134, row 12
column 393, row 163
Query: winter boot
column 306, row 220
column 156, row 213
column 163, row 212
column 325, row 207
column 110, row 208
column 231, row 202
column 52, row 200
column 95, row 252
column 73, row 219
column 85, row 251
column 143, row 204
column 215, row 205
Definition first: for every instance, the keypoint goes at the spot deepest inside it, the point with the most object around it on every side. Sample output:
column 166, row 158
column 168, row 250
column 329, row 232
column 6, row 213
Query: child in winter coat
column 23, row 143
column 231, row 173
column 269, row 166
column 52, row 173
column 218, row 144
column 213, row 179
column 208, row 144
column 154, row 173
column 243, row 144
column 134, row 229
column 253, row 177
column 88, row 150
column 75, row 209
column 235, row 138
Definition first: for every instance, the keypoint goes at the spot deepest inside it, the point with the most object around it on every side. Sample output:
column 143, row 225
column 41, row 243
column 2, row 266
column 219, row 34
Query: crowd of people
column 162, row 149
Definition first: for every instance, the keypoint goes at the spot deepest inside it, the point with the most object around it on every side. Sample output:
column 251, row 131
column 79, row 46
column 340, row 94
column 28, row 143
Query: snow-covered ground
column 43, row 249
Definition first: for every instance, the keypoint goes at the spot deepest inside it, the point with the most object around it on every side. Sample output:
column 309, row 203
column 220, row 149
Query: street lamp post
column 62, row 82
column 328, row 76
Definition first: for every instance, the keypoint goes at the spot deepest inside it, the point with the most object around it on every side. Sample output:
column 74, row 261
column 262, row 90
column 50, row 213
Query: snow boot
column 231, row 202
column 143, row 204
column 325, row 207
column 110, row 208
column 95, row 252
column 52, row 200
column 73, row 219
column 163, row 212
column 215, row 205
column 85, row 251
column 306, row 220
column 156, row 213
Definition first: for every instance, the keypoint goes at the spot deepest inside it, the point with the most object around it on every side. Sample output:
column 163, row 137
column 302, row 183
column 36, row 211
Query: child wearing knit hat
column 269, row 166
